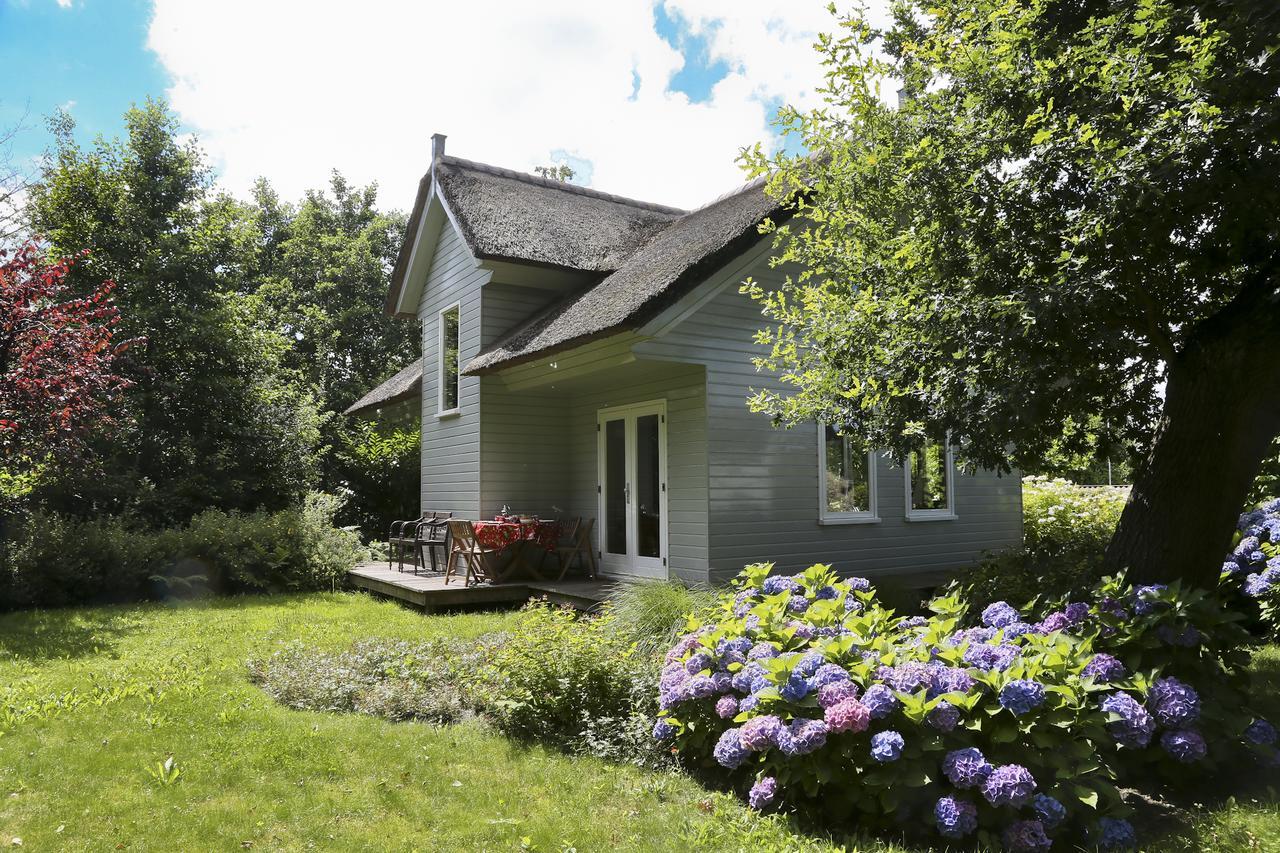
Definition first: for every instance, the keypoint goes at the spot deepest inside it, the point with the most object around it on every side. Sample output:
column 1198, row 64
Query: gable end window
column 447, row 402
column 846, row 480
column 930, row 482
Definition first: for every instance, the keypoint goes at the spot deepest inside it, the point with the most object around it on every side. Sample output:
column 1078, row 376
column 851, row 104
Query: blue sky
column 695, row 73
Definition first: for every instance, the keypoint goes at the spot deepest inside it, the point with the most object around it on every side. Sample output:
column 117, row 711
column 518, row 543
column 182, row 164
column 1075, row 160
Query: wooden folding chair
column 463, row 544
column 579, row 547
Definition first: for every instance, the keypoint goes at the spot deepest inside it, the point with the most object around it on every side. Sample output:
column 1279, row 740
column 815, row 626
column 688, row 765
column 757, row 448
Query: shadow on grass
column 59, row 634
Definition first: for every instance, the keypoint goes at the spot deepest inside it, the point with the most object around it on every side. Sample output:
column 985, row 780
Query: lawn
column 95, row 699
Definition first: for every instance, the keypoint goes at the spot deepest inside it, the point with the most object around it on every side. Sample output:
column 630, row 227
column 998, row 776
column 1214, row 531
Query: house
column 589, row 354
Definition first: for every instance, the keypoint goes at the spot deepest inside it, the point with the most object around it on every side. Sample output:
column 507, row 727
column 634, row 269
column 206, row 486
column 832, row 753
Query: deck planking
column 430, row 592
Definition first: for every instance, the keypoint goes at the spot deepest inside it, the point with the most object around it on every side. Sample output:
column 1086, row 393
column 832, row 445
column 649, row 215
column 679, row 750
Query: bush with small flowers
column 1253, row 566
column 1013, row 732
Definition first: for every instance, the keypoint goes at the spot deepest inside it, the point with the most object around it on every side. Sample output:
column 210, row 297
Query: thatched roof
column 404, row 384
column 668, row 266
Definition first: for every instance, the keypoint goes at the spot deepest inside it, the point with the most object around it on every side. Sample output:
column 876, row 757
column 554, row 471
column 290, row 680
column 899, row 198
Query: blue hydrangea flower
column 1021, row 696
column 698, row 663
column 886, row 746
column 907, row 677
column 748, row 703
column 1048, row 810
column 955, row 817
column 803, row 737
column 997, row 658
column 1135, row 726
column 796, row 688
column 828, row 673
column 1145, row 598
column 810, row 663
column 702, row 687
column 1186, row 745
column 1009, row 785
column 827, row 593
column 763, row 793
column 1230, row 567
column 1014, row 630
column 741, row 680
column 880, row 700
column 662, row 730
column 1026, row 836
column 761, row 651
column 1260, row 732
column 950, row 679
column 1256, row 586
column 1116, row 834
column 859, row 584
column 944, row 717
column 1246, row 546
column 851, row 604
column 797, row 604
column 803, row 630
column 1105, row 668
column 738, row 645
column 999, row 614
column 778, row 583
column 729, row 751
column 1173, row 703
column 966, row 768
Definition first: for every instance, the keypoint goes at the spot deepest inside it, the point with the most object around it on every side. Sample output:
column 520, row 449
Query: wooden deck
column 429, row 591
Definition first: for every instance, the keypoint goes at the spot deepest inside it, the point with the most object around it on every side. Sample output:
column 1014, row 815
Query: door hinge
column 664, row 418
column 664, row 561
column 664, row 487
column 598, row 489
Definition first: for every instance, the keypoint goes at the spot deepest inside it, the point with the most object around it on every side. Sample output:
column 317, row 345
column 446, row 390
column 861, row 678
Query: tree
column 1071, row 213
column 217, row 418
column 558, row 172
column 56, row 366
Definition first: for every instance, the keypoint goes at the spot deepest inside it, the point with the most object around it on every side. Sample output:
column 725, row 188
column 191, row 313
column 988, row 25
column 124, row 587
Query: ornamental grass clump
column 1015, row 732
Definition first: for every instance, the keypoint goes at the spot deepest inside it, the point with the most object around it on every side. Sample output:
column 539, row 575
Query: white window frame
column 826, row 516
column 947, row 514
column 441, row 411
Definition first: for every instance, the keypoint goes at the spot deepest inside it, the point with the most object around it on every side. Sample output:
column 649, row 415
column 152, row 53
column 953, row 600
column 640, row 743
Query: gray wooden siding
column 763, row 482
column 451, row 446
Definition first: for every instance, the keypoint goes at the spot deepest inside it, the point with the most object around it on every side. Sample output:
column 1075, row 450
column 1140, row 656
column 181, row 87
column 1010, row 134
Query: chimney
column 437, row 146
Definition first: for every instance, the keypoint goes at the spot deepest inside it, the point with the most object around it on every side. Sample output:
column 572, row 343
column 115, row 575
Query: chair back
column 584, row 533
column 462, row 534
column 569, row 529
column 435, row 523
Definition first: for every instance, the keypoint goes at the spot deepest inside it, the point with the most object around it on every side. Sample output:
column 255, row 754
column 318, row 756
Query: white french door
column 632, row 487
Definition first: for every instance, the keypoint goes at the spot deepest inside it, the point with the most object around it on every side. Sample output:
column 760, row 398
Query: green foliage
column 379, row 465
column 1267, row 483
column 575, row 682
column 53, row 560
column 395, row 680
column 651, row 614
column 1065, row 530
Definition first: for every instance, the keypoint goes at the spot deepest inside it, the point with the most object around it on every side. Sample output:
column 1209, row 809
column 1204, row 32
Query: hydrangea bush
column 1253, row 566
column 1013, row 731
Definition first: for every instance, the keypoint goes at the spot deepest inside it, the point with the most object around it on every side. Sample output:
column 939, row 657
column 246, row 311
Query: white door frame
column 632, row 564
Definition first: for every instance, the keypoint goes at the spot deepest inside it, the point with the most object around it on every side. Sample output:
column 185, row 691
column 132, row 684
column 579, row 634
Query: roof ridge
column 754, row 183
column 563, row 186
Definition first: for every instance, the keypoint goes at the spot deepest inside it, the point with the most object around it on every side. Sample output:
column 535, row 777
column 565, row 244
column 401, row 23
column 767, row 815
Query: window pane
column 449, row 360
column 848, row 475
column 615, row 487
column 929, row 477
column 648, row 487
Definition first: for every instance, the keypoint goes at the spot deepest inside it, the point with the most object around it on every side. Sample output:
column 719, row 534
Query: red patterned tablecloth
column 501, row 534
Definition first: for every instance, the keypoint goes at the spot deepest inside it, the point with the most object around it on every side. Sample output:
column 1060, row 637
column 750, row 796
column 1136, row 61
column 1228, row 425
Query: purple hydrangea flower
column 827, row 593
column 851, row 604
column 738, row 645
column 1230, row 567
column 698, row 663
column 747, row 703
column 950, row 679
column 1256, row 586
column 913, row 622
column 955, row 817
column 726, row 707
column 778, row 583
column 1116, row 834
column 859, row 584
column 797, row 604
column 836, row 692
column 1135, row 726
column 1145, row 598
column 1105, row 668
column 1186, row 745
column 743, row 678
column 1247, row 545
column 828, row 673
column 944, row 717
column 1021, row 696
column 966, row 768
column 662, row 730
column 761, row 651
column 760, row 733
column 1055, row 621
column 796, row 688
column 763, row 793
column 999, row 614
column 1260, row 732
column 1173, row 703
column 810, row 663
column 907, row 677
column 1009, row 785
column 849, row 715
column 802, row 737
column 998, row 658
column 1077, row 613
column 880, row 701
column 1026, row 836
column 886, row 746
column 702, row 687
column 1015, row 630
column 803, row 630
column 1048, row 810
column 729, row 751
column 1188, row 637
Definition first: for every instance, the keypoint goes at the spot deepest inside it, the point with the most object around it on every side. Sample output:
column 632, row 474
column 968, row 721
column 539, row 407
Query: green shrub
column 652, row 614
column 574, row 682
column 395, row 680
column 1065, row 530
column 50, row 560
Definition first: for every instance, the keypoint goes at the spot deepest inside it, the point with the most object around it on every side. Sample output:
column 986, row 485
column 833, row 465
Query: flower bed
column 1254, row 561
column 1017, row 730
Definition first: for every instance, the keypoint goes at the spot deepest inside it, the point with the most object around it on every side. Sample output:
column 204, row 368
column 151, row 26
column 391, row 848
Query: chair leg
column 449, row 566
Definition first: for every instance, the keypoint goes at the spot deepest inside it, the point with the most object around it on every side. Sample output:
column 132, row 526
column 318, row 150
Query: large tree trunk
column 1221, row 413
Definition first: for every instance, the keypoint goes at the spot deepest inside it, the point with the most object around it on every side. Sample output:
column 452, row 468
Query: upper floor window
column 847, row 480
column 448, row 349
column 930, row 477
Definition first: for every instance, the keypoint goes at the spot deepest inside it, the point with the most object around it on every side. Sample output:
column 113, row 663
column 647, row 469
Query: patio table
column 520, row 537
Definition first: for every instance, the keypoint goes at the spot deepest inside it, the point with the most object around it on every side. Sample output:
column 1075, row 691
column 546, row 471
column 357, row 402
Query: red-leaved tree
column 56, row 356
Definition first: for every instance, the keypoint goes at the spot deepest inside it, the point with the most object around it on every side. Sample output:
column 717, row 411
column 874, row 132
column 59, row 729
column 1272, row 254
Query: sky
column 643, row 98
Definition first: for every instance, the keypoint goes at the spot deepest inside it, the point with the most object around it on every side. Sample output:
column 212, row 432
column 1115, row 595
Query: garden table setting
column 523, row 537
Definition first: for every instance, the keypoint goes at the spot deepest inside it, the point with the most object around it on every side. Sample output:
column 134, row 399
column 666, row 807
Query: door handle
column 626, row 490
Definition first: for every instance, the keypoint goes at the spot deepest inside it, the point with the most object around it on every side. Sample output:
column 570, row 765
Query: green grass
column 93, row 700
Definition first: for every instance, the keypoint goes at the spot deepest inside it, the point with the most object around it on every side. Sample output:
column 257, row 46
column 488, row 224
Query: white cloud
column 292, row 89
